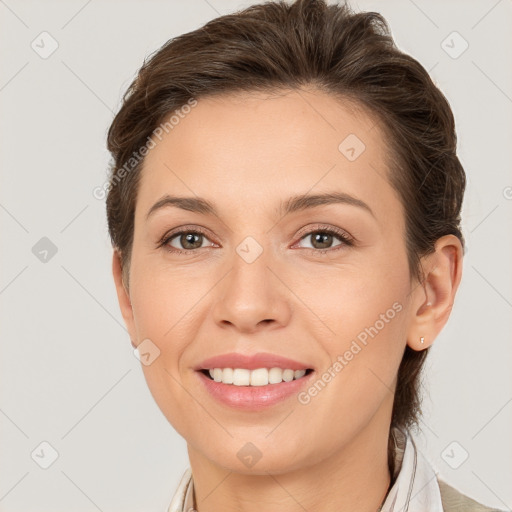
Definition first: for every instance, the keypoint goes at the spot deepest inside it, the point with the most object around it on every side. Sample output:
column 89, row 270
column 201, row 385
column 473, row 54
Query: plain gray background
column 68, row 374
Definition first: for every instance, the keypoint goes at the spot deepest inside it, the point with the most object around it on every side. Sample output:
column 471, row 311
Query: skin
column 246, row 153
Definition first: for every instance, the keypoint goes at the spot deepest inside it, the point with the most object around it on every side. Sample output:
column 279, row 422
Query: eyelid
column 325, row 228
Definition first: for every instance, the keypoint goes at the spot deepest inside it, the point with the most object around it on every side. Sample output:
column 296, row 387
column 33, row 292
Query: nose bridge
column 254, row 256
column 251, row 293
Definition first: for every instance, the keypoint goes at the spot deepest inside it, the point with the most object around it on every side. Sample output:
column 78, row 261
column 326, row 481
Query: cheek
column 168, row 309
column 364, row 343
column 358, row 313
column 163, row 299
column 348, row 299
column 164, row 313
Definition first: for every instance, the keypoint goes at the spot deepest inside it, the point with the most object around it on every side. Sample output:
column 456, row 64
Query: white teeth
column 275, row 375
column 241, row 377
column 227, row 375
column 287, row 375
column 299, row 373
column 258, row 377
column 217, row 374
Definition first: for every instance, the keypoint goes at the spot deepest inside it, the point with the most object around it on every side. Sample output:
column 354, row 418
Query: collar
column 415, row 487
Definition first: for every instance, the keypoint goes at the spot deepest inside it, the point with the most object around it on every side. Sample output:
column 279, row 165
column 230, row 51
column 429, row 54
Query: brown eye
column 184, row 241
column 323, row 239
column 190, row 240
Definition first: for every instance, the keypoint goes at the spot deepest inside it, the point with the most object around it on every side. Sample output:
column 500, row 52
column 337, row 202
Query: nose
column 252, row 297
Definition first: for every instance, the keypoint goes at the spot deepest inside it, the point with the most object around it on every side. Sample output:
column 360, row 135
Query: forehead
column 253, row 150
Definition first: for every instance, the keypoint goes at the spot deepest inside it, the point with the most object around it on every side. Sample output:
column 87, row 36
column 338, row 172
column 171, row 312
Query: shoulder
column 454, row 501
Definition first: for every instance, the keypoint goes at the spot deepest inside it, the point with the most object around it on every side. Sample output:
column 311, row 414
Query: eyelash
column 344, row 237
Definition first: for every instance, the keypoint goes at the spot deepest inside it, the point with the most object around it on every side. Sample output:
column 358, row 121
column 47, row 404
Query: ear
column 432, row 300
column 123, row 296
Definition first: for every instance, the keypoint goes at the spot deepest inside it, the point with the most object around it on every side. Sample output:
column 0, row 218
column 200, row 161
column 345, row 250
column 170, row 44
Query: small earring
column 429, row 303
column 422, row 339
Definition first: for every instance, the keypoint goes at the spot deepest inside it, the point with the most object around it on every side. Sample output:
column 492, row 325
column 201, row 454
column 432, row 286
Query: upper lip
column 251, row 362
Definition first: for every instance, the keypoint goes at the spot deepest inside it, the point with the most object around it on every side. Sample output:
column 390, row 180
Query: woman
column 284, row 208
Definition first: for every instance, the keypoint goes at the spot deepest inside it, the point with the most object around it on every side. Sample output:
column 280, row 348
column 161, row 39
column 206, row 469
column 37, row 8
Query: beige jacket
column 455, row 501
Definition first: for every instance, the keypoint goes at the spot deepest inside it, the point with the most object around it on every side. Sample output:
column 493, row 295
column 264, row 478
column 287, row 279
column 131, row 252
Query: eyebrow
column 293, row 204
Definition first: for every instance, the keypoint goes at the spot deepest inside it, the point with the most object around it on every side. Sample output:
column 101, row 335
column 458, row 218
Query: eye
column 187, row 240
column 322, row 239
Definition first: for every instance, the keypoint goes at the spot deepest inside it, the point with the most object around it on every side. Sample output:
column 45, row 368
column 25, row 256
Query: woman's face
column 261, row 278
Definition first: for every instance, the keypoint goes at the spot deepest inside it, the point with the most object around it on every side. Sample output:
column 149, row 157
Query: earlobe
column 432, row 301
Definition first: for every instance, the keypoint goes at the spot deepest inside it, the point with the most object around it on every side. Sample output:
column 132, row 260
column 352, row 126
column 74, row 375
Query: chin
column 260, row 458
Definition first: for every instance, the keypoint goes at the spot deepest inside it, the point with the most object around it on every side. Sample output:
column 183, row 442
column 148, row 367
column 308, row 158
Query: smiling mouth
column 254, row 378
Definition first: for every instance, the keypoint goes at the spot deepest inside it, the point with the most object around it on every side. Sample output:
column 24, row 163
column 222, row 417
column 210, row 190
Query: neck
column 355, row 477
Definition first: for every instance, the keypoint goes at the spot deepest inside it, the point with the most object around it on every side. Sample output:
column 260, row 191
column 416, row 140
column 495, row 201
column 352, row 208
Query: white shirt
column 415, row 488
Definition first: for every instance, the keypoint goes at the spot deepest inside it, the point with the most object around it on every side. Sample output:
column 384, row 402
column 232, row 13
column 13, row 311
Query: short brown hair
column 275, row 46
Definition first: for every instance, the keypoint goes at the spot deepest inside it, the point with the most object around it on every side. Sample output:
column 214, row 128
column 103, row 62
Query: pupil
column 189, row 239
column 320, row 236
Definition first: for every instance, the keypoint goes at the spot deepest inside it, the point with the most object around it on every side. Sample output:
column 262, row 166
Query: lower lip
column 253, row 398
